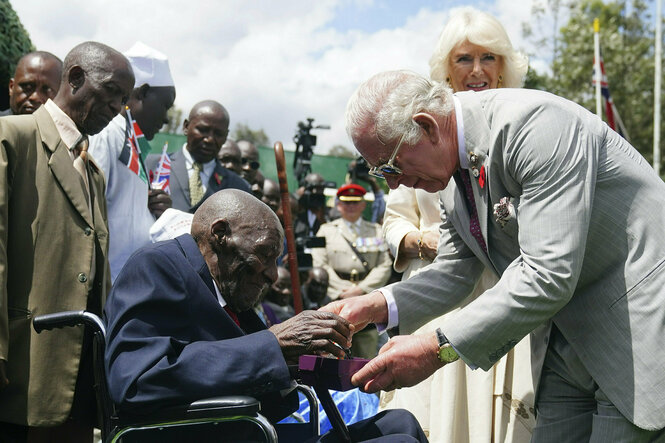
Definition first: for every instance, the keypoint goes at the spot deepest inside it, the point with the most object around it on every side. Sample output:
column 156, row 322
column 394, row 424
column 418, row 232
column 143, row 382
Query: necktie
column 80, row 151
column 474, row 224
column 195, row 184
column 232, row 314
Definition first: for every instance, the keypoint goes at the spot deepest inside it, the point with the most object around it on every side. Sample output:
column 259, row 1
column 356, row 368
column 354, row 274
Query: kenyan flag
column 135, row 143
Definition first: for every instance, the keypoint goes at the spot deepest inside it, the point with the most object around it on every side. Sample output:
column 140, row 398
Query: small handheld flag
column 163, row 172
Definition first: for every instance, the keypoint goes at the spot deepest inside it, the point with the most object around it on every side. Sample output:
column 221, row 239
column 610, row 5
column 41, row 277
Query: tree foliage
column 627, row 46
column 341, row 151
column 175, row 117
column 244, row 132
column 14, row 42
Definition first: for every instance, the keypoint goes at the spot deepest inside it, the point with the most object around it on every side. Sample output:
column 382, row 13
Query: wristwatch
column 446, row 352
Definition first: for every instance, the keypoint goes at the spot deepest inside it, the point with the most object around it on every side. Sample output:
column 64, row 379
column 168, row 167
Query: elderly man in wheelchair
column 180, row 324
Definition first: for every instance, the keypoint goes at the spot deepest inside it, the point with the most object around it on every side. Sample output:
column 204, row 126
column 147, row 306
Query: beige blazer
column 47, row 238
column 338, row 256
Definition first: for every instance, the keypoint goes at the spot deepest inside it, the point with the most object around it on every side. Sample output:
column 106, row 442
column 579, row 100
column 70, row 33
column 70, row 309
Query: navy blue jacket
column 170, row 342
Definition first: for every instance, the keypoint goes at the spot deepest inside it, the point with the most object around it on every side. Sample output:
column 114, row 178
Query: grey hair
column 387, row 102
column 482, row 29
column 96, row 59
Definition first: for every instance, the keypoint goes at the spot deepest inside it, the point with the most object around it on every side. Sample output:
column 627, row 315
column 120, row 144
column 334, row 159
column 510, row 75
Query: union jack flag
column 612, row 114
column 160, row 179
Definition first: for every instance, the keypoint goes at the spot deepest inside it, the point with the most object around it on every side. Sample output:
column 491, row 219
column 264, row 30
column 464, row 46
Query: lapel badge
column 473, row 163
column 481, row 178
column 504, row 211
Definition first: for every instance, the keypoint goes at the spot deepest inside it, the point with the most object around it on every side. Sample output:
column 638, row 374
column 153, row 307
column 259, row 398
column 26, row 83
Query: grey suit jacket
column 585, row 248
column 47, row 238
column 221, row 178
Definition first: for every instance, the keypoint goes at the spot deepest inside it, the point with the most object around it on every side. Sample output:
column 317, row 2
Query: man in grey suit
column 196, row 173
column 564, row 210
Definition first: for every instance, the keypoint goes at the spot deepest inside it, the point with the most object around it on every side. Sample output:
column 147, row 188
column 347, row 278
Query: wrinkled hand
column 404, row 361
column 430, row 244
column 3, row 376
column 158, row 202
column 360, row 311
column 312, row 332
column 352, row 291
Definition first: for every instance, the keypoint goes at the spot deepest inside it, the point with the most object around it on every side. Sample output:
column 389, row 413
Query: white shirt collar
column 189, row 161
column 220, row 299
column 66, row 127
column 463, row 159
column 357, row 223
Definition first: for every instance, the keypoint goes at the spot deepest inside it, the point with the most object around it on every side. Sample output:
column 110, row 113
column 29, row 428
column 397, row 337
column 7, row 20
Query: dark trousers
column 393, row 425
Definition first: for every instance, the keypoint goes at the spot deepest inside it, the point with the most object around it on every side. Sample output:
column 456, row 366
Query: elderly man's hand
column 3, row 376
column 370, row 308
column 405, row 360
column 158, row 202
column 312, row 332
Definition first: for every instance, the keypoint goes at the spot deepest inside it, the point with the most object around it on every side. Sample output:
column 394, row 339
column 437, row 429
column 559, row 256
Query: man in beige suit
column 53, row 246
column 355, row 257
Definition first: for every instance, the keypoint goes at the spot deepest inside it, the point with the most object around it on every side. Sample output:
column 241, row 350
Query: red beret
column 351, row 193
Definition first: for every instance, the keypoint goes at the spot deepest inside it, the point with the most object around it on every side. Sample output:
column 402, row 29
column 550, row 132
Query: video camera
column 306, row 243
column 305, row 142
column 358, row 169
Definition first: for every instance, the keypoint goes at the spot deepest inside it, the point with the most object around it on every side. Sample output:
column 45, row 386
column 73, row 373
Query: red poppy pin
column 481, row 179
column 218, row 178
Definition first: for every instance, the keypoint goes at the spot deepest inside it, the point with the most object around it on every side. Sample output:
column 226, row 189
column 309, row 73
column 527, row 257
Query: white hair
column 386, row 103
column 482, row 29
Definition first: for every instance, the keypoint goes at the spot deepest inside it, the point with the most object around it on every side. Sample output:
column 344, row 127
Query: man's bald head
column 240, row 239
column 206, row 129
column 96, row 83
column 36, row 79
column 229, row 156
column 271, row 196
column 250, row 160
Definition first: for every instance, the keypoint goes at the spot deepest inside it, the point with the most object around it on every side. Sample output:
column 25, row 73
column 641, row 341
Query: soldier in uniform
column 355, row 257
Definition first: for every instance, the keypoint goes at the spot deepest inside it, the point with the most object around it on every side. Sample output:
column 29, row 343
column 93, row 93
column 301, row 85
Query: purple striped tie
column 474, row 224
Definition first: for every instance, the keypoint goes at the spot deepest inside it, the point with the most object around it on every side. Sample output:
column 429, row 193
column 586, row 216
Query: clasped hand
column 313, row 332
column 403, row 361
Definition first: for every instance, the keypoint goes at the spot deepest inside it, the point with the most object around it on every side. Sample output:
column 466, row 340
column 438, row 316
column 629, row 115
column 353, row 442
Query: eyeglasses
column 252, row 164
column 388, row 168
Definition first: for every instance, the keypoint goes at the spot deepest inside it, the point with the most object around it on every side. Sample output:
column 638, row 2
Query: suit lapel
column 457, row 212
column 180, row 175
column 61, row 164
column 477, row 144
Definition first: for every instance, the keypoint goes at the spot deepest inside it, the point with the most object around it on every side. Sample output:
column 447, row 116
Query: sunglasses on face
column 388, row 168
column 252, row 164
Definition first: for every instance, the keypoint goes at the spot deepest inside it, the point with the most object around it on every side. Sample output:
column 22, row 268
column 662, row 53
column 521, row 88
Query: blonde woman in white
column 457, row 404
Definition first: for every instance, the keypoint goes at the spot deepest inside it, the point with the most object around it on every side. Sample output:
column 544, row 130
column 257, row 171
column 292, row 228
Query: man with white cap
column 132, row 205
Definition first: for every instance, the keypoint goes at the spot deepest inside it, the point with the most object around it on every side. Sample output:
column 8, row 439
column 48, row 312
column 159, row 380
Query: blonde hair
column 482, row 29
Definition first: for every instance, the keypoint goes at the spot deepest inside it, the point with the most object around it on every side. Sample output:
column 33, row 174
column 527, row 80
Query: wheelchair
column 227, row 418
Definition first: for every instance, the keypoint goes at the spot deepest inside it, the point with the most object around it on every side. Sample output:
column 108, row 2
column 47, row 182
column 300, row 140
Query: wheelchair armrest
column 216, row 407
column 223, row 406
column 59, row 320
